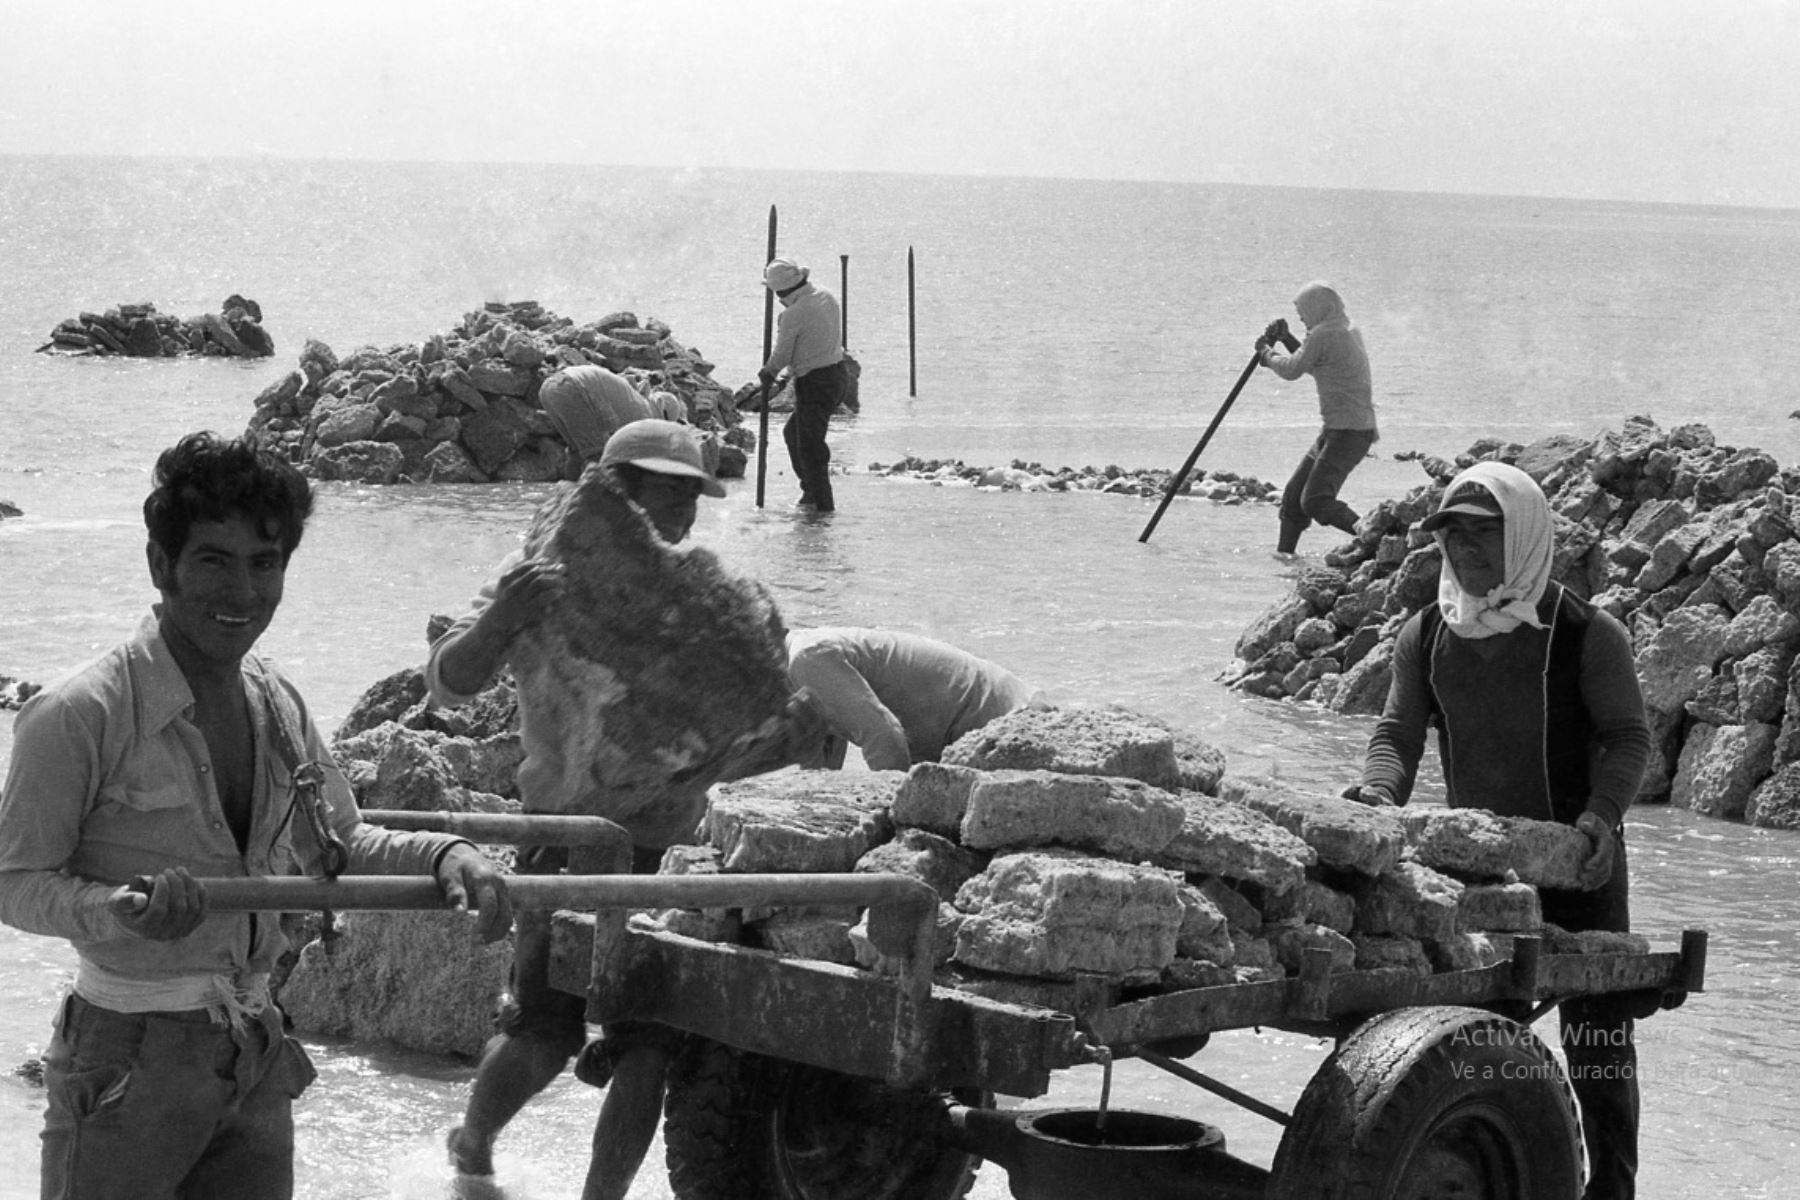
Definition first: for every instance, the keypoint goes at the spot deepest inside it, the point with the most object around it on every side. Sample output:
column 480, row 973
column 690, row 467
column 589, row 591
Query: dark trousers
column 816, row 396
column 1598, row 1038
column 1312, row 491
column 154, row 1106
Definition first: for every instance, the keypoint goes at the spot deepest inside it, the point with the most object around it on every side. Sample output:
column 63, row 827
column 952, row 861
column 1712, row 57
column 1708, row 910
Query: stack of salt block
column 1083, row 844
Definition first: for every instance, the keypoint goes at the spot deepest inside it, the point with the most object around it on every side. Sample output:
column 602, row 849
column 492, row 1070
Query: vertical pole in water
column 762, row 445
column 912, row 337
column 844, row 299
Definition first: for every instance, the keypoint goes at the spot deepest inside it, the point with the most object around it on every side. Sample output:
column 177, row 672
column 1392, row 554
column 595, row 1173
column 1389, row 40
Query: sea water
column 1068, row 323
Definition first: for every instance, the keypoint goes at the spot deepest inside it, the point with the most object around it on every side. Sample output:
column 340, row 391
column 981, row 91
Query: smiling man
column 177, row 757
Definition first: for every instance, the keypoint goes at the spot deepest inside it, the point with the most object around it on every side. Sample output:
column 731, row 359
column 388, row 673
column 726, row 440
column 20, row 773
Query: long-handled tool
column 1277, row 331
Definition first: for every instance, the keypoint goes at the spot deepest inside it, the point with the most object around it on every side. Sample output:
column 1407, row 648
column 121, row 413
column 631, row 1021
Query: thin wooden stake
column 762, row 451
column 912, row 337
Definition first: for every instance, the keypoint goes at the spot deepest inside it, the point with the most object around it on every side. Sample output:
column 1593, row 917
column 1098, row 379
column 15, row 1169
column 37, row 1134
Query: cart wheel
column 1430, row 1104
column 743, row 1127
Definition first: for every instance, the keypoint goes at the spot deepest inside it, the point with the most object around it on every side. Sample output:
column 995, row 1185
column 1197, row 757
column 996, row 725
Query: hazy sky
column 1693, row 101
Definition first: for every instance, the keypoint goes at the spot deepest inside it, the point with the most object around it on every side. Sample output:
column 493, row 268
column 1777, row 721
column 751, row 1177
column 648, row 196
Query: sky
column 1684, row 101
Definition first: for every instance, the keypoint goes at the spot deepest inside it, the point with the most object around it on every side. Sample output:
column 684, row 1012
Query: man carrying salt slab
column 645, row 673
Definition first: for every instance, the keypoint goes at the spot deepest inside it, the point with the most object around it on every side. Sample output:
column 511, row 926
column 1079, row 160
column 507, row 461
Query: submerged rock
column 139, row 331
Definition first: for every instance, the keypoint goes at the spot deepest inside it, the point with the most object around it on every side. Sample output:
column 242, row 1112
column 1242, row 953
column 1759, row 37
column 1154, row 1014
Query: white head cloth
column 1528, row 552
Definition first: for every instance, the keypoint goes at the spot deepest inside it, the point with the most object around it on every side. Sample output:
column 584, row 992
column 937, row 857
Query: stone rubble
column 1221, row 487
column 463, row 407
column 139, row 331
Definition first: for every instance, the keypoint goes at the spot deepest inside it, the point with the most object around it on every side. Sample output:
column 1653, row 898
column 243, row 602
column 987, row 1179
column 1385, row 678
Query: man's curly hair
column 206, row 477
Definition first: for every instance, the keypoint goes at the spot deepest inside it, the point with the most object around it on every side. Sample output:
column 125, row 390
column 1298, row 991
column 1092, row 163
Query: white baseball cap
column 665, row 447
column 784, row 273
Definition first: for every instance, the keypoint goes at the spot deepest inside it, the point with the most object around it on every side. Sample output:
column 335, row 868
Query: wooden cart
column 808, row 1080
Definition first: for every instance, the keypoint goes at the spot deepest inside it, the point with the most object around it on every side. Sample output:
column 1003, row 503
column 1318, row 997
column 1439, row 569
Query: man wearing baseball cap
column 809, row 343
column 1534, row 695
column 660, row 467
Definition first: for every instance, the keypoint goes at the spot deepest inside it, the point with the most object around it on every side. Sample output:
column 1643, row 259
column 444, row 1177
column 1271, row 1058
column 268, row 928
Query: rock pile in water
column 1070, row 848
column 139, row 331
column 1224, row 487
column 463, row 407
column 1691, row 544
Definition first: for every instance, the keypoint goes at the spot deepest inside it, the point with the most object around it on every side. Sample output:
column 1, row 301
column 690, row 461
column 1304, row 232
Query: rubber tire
column 1432, row 1103
column 744, row 1127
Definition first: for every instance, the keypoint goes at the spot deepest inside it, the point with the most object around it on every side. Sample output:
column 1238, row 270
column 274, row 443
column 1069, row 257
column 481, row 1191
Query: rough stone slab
column 870, row 958
column 1412, row 900
column 804, row 935
column 1381, row 952
column 1238, row 908
column 1253, row 952
column 1222, row 837
column 1720, row 766
column 1470, row 951
column 820, row 821
column 659, row 668
column 1475, row 843
column 1072, row 741
column 1342, row 832
column 1204, row 931
column 416, row 980
column 934, row 797
column 1200, row 763
column 1057, row 913
column 1120, row 818
column 708, row 925
column 1313, row 903
column 1292, row 941
column 1499, row 907
column 934, row 860
column 1558, row 940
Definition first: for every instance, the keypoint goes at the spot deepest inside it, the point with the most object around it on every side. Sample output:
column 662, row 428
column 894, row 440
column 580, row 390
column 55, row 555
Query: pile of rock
column 1223, row 487
column 1071, row 870
column 1071, row 848
column 464, row 408
column 1691, row 544
column 139, row 331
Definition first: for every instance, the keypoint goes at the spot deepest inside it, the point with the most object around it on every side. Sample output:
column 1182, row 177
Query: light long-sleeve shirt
column 809, row 333
column 1334, row 355
column 111, row 779
column 899, row 697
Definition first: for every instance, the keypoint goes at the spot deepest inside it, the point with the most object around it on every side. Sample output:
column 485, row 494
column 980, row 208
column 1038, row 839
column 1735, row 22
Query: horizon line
column 267, row 156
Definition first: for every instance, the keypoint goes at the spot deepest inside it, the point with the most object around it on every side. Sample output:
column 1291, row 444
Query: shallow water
column 1069, row 323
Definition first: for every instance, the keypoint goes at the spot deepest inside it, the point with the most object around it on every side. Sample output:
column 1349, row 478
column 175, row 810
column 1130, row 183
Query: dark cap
column 1468, row 498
